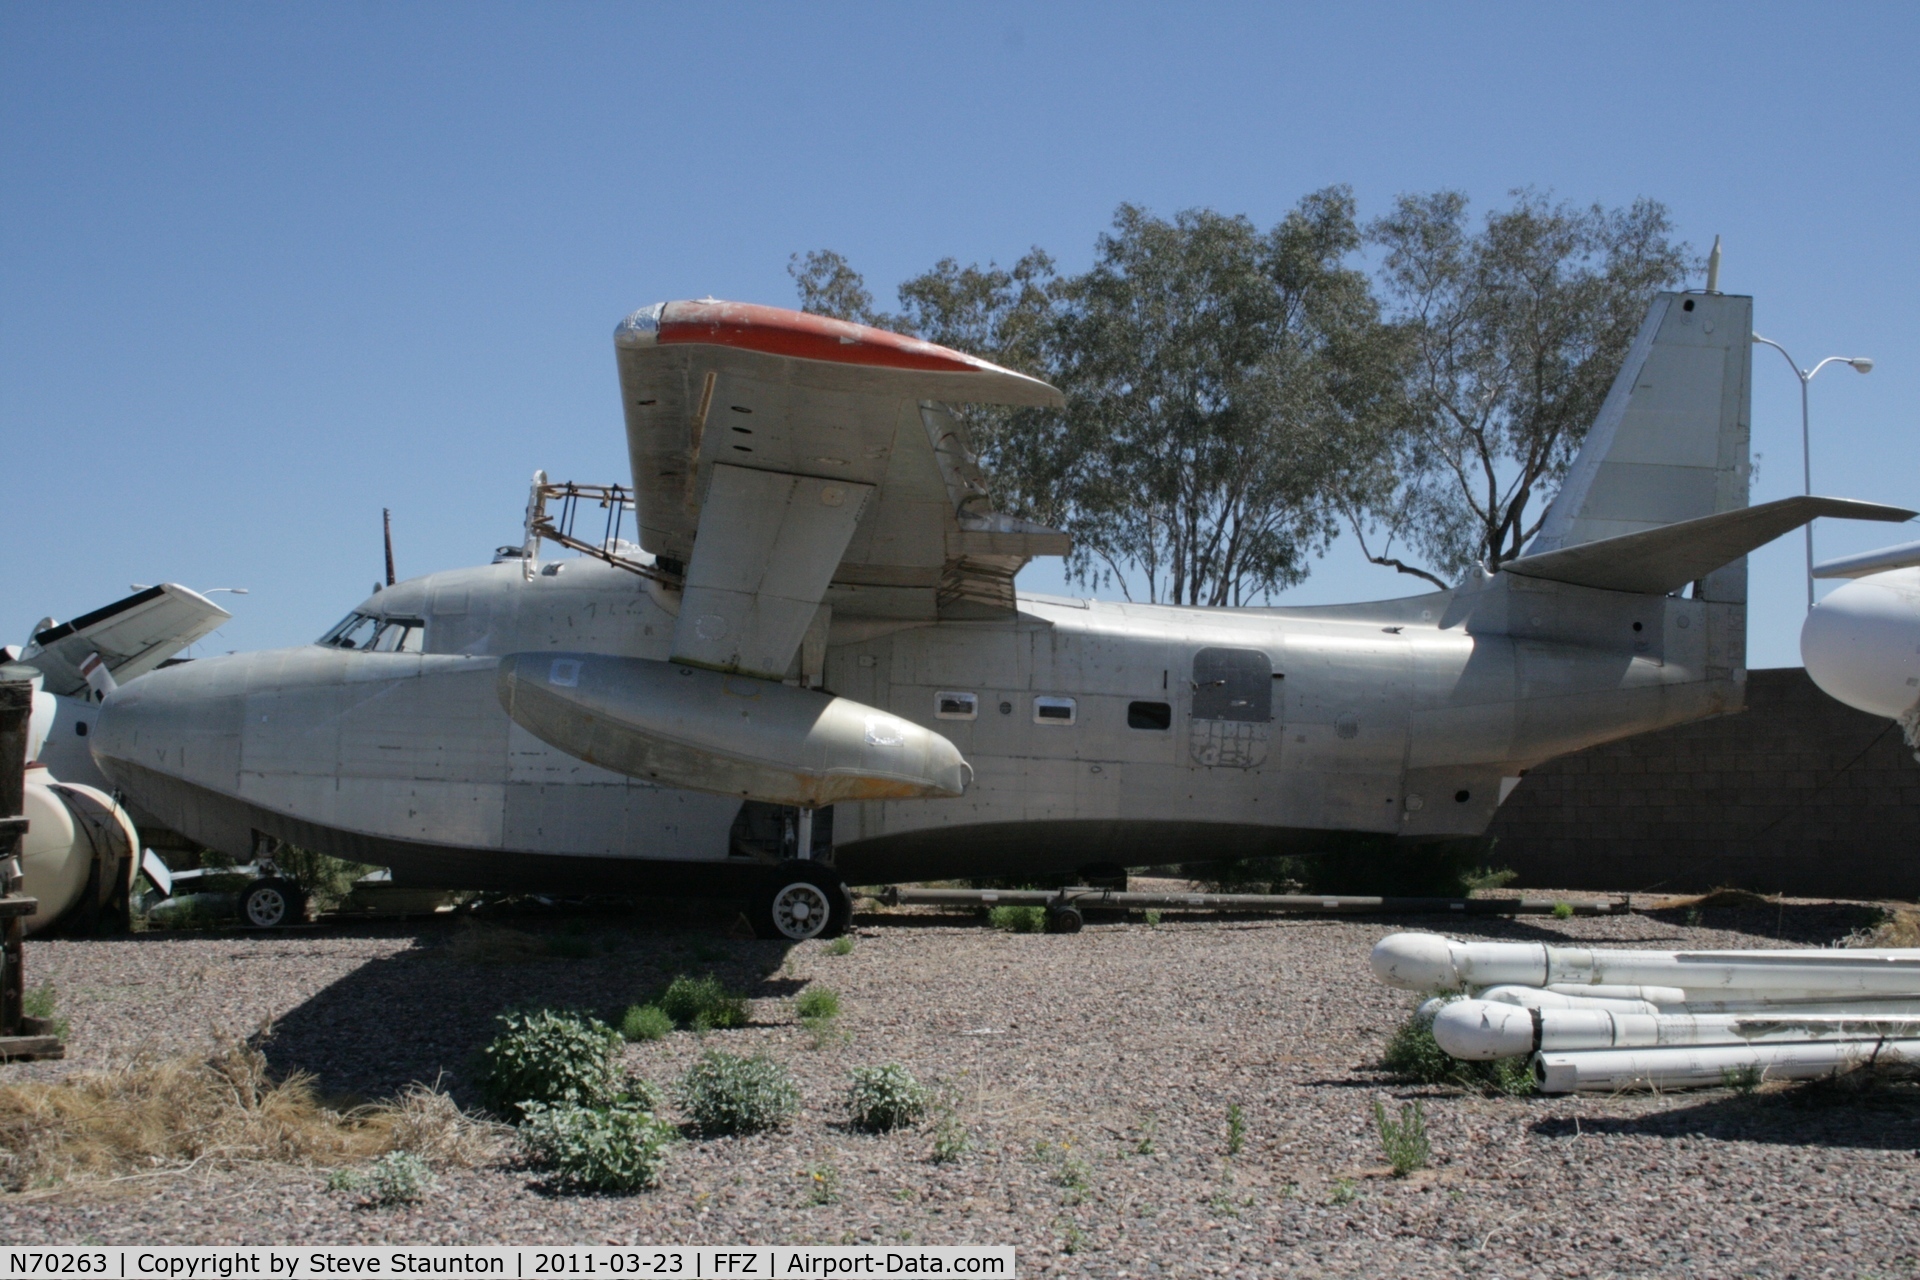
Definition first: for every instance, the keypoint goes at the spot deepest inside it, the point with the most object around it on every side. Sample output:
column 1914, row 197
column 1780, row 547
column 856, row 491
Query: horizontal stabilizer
column 1904, row 556
column 132, row 636
column 1657, row 561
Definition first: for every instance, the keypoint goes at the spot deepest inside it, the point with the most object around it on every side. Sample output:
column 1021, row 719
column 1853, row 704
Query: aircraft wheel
column 1064, row 920
column 802, row 900
column 272, row 904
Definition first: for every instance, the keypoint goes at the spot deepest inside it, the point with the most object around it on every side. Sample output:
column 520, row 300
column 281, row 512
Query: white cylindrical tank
column 67, row 827
column 1698, row 1066
column 1482, row 1030
column 1429, row 962
column 1862, row 643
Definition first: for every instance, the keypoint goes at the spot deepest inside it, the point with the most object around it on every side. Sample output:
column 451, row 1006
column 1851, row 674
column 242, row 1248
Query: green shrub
column 703, row 1004
column 1404, row 1140
column 883, row 1098
column 950, row 1137
column 550, row 1057
column 1153, row 917
column 622, row 1147
column 1236, row 1130
column 645, row 1022
column 816, row 1003
column 1413, row 1054
column 1018, row 919
column 726, row 1093
column 840, row 946
column 1563, row 911
column 398, row 1177
column 42, row 1002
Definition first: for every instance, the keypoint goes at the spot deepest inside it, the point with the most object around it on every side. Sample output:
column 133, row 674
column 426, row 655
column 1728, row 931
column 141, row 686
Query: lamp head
column 1861, row 364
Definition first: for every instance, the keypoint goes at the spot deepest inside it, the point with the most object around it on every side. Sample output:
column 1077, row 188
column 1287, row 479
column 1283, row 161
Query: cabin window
column 1149, row 715
column 1053, row 710
column 378, row 635
column 956, row 706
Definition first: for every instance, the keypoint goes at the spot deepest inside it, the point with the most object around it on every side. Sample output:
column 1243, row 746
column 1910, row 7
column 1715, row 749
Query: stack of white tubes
column 1609, row 1020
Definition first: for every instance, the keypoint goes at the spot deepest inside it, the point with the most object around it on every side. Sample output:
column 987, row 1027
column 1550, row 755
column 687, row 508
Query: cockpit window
column 378, row 635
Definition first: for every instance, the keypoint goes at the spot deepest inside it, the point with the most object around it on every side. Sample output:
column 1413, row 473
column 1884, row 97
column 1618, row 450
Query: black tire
column 1064, row 920
column 801, row 900
column 272, row 903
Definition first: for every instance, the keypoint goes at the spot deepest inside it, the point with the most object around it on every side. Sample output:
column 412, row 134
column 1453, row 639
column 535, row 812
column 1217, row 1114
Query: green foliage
column 1488, row 878
column 1018, row 919
column 1404, row 1140
column 550, row 1057
column 1236, row 1130
column 1344, row 1192
column 1563, row 911
column 823, row 1184
column 703, row 1004
column 1513, row 334
column 1152, row 917
column 398, row 1177
column 950, row 1137
column 645, row 1022
column 1743, row 1080
column 620, row 1147
column 325, row 880
column 840, row 946
column 1413, row 1054
column 42, row 1002
column 727, row 1093
column 886, row 1097
column 816, row 1003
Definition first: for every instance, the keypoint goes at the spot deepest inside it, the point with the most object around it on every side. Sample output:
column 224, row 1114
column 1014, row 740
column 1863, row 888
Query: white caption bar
column 602, row 1262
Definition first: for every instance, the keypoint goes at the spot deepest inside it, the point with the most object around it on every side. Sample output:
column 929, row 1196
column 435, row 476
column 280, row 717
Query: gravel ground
column 1094, row 1074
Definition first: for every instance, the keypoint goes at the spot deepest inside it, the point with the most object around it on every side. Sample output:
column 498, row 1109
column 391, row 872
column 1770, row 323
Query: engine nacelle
column 1862, row 643
column 683, row 726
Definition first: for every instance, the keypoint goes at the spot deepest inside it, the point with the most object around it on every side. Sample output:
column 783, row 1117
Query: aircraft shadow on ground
column 425, row 1013
column 1882, row 1116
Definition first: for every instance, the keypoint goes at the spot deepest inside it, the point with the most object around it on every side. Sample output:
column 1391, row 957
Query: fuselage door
column 1232, row 719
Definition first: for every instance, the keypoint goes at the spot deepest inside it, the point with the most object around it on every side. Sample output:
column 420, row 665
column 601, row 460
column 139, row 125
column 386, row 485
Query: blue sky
column 267, row 269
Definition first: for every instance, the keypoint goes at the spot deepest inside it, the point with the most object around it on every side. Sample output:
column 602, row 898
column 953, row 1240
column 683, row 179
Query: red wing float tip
column 797, row 334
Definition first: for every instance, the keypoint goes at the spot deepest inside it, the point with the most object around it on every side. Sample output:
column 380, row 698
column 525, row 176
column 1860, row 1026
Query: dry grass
column 1899, row 927
column 149, row 1117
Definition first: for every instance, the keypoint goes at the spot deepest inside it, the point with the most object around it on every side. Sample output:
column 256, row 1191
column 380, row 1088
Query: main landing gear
column 799, row 900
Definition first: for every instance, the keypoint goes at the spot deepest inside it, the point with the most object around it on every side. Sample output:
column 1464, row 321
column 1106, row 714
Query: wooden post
column 16, row 707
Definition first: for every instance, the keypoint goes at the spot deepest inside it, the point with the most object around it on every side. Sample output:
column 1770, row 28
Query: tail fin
column 1671, row 442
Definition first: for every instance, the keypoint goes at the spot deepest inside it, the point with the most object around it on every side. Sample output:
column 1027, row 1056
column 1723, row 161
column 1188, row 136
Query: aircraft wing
column 1904, row 556
column 132, row 636
column 789, row 461
column 1656, row 561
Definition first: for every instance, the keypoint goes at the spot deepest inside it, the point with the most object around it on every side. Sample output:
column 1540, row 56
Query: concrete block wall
column 1797, row 794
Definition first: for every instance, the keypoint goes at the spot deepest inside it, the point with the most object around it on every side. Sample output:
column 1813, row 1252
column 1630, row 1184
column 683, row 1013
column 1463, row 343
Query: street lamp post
column 1860, row 364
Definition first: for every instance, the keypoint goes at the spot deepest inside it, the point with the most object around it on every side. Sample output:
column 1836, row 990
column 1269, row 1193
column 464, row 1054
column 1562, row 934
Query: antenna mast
column 386, row 533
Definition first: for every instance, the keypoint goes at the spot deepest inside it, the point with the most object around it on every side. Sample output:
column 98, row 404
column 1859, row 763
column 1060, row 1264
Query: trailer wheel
column 272, row 903
column 1064, row 920
column 800, row 900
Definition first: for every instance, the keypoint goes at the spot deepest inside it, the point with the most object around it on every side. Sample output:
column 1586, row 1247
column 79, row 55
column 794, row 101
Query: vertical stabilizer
column 1671, row 441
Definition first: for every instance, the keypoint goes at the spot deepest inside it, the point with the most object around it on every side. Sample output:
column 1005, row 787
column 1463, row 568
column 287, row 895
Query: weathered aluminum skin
column 1096, row 732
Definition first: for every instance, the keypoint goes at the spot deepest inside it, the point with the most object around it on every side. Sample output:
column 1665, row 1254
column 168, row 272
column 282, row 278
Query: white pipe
column 1611, row 1070
column 1482, row 1030
column 1429, row 962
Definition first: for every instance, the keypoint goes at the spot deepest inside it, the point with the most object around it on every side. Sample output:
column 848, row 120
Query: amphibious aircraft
column 813, row 668
column 1862, row 643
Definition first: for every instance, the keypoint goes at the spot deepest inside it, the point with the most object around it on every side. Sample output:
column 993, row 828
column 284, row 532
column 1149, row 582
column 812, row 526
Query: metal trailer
column 1066, row 908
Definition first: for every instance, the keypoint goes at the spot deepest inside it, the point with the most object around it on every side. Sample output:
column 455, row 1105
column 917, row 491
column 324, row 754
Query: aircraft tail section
column 1671, row 441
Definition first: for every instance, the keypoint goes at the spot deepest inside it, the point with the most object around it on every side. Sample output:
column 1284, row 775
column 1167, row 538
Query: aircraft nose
column 173, row 723
column 1861, row 644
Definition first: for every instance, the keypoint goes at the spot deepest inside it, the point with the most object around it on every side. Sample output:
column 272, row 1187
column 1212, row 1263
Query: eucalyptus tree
column 1511, row 335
